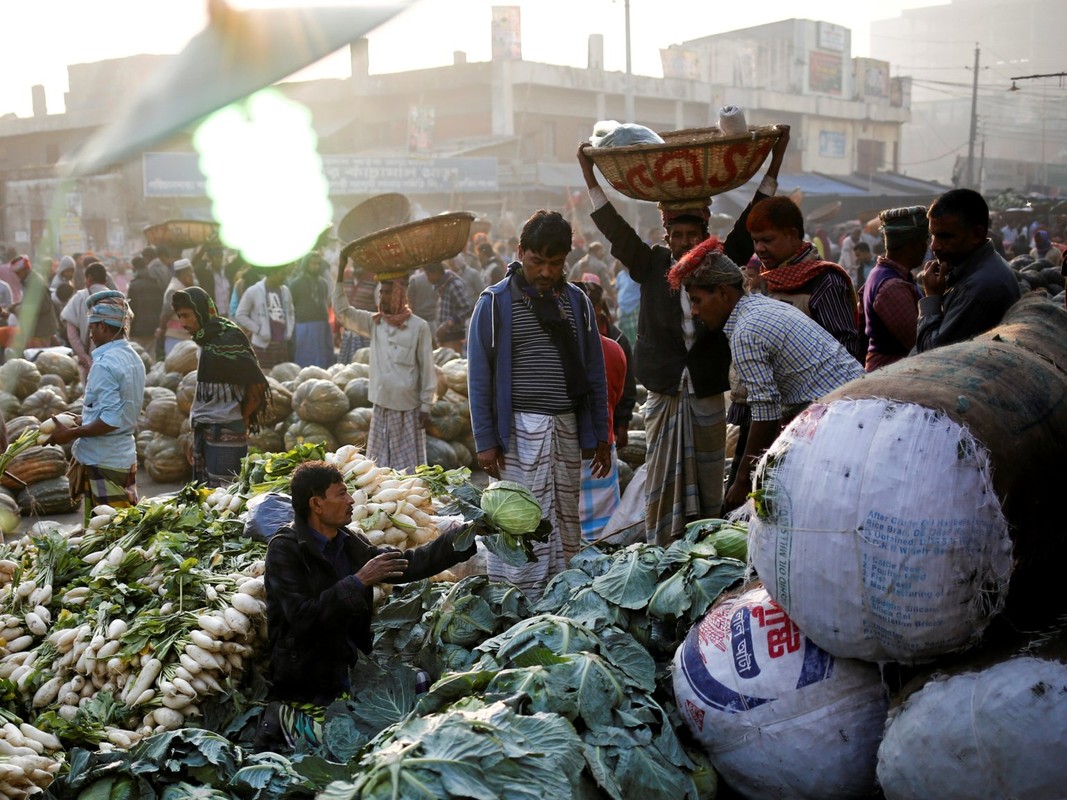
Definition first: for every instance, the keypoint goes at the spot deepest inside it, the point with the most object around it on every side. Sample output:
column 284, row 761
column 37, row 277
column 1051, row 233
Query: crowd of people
column 748, row 330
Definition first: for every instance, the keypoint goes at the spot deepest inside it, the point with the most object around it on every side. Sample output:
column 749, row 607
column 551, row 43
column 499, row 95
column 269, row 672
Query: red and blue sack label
column 746, row 652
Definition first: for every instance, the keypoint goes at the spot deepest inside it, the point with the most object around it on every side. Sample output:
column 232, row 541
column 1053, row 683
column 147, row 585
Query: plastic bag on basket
column 266, row 514
column 609, row 133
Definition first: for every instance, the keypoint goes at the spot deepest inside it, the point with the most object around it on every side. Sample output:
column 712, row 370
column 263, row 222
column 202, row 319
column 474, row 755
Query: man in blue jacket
column 537, row 391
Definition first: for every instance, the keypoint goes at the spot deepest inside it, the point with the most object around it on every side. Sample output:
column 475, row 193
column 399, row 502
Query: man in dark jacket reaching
column 319, row 580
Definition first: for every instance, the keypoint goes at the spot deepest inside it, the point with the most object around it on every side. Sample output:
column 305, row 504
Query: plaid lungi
column 102, row 486
column 396, row 439
column 545, row 458
column 686, row 438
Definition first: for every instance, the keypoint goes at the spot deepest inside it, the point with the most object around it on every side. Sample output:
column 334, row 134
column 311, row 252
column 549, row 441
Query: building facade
column 496, row 137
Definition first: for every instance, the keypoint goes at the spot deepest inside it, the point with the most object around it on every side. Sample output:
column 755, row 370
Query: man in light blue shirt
column 105, row 454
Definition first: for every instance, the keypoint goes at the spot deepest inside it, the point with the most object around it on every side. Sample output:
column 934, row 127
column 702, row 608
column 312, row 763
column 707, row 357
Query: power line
column 935, row 158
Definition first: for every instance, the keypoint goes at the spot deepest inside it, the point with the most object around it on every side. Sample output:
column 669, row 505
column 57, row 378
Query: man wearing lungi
column 681, row 363
column 537, row 391
column 104, row 466
column 231, row 390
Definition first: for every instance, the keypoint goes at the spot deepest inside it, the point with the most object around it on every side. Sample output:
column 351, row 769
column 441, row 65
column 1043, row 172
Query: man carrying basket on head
column 681, row 364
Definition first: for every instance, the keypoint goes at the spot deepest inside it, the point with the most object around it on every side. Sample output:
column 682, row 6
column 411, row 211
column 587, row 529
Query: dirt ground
column 146, row 487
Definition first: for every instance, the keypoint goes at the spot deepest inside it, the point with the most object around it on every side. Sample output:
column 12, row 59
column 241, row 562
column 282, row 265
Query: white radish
column 247, row 605
column 201, row 639
column 47, row 692
column 184, row 687
column 108, row 649
column 190, row 664
column 19, row 644
column 41, row 596
column 116, row 629
column 149, row 672
column 213, row 625
column 49, row 741
column 237, row 621
column 204, row 658
column 169, row 718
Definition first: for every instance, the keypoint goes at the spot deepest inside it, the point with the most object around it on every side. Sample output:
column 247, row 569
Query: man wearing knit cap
column 784, row 358
column 104, row 464
column 681, row 364
column 890, row 295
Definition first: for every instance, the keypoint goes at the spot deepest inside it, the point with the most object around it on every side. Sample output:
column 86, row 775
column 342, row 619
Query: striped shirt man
column 784, row 358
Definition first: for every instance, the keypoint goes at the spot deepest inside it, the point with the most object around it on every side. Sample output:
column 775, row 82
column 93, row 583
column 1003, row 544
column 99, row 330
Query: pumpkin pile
column 331, row 406
column 35, row 480
column 164, row 436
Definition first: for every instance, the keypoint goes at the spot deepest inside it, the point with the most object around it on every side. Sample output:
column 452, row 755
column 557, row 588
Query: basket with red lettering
column 692, row 164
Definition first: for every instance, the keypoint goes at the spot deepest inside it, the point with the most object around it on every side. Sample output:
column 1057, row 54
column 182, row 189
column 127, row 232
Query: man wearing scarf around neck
column 231, row 391
column 402, row 376
column 794, row 273
column 538, row 391
column 104, row 463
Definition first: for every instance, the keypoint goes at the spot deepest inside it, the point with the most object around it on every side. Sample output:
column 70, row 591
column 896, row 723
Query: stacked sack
column 903, row 520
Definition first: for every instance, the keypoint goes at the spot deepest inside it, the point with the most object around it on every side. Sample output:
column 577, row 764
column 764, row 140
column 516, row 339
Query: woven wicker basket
column 411, row 245
column 380, row 211
column 691, row 165
column 179, row 234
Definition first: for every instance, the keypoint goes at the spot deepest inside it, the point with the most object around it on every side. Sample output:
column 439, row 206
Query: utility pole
column 968, row 181
column 629, row 71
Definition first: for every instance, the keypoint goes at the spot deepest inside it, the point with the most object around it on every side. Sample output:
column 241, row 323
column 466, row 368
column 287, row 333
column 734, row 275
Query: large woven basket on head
column 380, row 211
column 411, row 245
column 180, row 234
column 691, row 165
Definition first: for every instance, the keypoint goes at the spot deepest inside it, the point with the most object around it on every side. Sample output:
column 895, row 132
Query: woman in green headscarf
column 231, row 391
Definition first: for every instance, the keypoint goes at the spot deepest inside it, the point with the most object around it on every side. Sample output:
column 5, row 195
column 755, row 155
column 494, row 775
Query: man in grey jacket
column 968, row 285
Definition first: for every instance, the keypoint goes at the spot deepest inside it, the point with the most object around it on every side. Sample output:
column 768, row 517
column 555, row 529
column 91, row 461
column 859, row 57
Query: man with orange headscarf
column 402, row 377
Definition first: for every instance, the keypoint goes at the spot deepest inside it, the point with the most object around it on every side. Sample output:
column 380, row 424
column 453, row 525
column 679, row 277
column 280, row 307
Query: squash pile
column 30, row 392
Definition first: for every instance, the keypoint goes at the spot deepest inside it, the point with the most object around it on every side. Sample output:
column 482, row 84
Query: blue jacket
column 489, row 368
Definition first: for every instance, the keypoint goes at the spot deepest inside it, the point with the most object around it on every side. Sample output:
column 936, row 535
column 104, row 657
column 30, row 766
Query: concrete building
column 495, row 137
column 846, row 113
column 1021, row 140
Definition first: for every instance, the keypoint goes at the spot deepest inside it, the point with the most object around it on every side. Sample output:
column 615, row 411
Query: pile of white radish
column 60, row 650
column 392, row 508
column 29, row 758
column 226, row 501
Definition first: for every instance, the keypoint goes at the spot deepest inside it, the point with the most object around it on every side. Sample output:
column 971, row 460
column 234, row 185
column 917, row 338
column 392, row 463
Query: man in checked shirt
column 783, row 357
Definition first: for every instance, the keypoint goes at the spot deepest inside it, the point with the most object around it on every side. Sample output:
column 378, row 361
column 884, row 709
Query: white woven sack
column 878, row 530
column 998, row 733
column 777, row 716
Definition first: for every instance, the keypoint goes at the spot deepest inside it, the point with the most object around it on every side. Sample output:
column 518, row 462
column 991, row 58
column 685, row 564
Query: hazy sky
column 43, row 36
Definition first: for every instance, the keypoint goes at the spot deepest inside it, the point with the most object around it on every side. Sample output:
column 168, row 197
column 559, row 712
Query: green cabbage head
column 511, row 507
